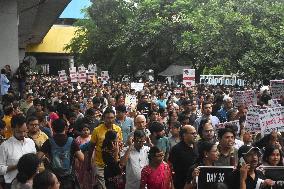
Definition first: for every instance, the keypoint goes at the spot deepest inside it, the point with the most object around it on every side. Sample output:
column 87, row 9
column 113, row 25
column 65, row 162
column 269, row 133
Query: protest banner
column 81, row 69
column 90, row 76
column 92, row 67
column 247, row 98
column 274, row 173
column 277, row 88
column 189, row 77
column 130, row 101
column 73, row 74
column 104, row 76
column 137, row 86
column 62, row 77
column 82, row 77
column 252, row 119
column 209, row 176
column 271, row 119
column 223, row 125
column 221, row 80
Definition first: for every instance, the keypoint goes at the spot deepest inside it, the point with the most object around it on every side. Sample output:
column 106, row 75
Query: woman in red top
column 156, row 175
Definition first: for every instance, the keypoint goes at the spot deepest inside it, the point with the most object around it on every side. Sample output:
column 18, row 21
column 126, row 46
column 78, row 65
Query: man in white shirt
column 14, row 148
column 135, row 158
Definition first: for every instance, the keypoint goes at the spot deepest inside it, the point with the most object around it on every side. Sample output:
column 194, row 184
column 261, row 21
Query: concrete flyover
column 24, row 22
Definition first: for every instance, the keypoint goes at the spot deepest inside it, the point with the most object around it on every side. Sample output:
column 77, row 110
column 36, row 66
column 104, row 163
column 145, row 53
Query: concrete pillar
column 9, row 47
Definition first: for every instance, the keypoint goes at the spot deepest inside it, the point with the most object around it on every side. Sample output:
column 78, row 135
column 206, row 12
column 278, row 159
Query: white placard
column 137, row 86
column 247, row 98
column 189, row 77
column 277, row 88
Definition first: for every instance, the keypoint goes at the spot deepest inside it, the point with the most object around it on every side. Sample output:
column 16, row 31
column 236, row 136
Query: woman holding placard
column 208, row 154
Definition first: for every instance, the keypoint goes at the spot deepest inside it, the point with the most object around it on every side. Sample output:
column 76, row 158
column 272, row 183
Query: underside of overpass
column 24, row 22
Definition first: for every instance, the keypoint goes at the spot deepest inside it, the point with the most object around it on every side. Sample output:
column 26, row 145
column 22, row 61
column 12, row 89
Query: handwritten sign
column 223, row 125
column 189, row 77
column 252, row 119
column 247, row 98
column 277, row 88
column 209, row 176
column 271, row 119
column 137, row 86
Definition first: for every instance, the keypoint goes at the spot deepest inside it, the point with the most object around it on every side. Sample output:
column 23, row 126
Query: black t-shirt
column 182, row 158
column 234, row 182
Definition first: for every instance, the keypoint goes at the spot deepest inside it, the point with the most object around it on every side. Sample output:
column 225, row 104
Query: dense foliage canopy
column 232, row 36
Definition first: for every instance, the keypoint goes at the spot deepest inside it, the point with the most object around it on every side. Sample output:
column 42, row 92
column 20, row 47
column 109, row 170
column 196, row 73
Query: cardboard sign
column 82, row 77
column 137, row 86
column 189, row 77
column 130, row 101
column 209, row 176
column 81, row 69
column 277, row 88
column 62, row 77
column 271, row 119
column 252, row 119
column 223, row 125
column 104, row 76
column 92, row 67
column 247, row 98
column 73, row 78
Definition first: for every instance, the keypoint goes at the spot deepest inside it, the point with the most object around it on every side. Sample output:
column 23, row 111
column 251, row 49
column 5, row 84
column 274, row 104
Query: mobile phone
column 242, row 161
column 47, row 118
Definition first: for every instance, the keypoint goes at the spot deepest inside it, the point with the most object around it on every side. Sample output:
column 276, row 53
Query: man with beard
column 14, row 148
column 158, row 138
column 246, row 176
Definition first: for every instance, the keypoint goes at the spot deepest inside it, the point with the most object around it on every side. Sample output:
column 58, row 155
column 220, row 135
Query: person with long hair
column 156, row 175
column 113, row 169
column 46, row 180
column 208, row 154
column 272, row 156
column 27, row 168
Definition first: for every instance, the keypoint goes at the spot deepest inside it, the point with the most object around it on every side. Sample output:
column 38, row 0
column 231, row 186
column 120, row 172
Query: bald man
column 140, row 124
column 183, row 155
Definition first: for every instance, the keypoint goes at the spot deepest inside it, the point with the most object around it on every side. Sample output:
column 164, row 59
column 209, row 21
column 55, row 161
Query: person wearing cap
column 124, row 122
column 246, row 176
column 158, row 138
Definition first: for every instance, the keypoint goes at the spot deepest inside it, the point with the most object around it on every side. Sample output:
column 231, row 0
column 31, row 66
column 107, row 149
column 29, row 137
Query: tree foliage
column 240, row 36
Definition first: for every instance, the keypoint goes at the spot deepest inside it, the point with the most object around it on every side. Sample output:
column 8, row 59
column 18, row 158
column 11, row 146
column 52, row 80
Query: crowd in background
column 86, row 136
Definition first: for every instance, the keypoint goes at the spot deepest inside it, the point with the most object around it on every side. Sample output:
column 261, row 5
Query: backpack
column 61, row 158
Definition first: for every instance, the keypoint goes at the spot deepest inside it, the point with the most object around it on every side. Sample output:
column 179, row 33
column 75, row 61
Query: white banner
column 221, row 79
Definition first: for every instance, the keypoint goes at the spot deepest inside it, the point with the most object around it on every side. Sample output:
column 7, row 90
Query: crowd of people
column 85, row 135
